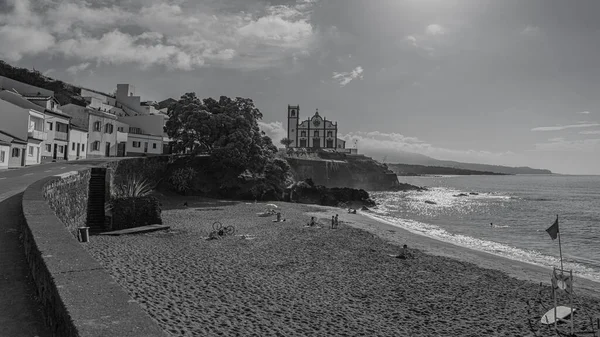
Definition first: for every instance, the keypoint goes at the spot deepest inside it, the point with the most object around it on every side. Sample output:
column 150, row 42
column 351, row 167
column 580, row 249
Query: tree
column 286, row 141
column 227, row 130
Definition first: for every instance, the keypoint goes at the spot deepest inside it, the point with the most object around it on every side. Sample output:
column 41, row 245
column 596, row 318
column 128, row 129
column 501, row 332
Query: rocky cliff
column 340, row 170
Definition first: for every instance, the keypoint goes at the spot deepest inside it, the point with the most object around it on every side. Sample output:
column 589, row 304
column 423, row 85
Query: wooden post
column 559, row 247
column 571, row 299
column 554, row 297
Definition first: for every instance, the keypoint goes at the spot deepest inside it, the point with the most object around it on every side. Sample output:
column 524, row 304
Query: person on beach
column 491, row 225
column 332, row 222
column 312, row 221
column 404, row 254
column 336, row 221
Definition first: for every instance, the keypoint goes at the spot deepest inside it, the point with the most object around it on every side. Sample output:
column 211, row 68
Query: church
column 315, row 132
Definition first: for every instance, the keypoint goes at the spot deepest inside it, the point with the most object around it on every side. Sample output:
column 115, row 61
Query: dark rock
column 307, row 192
column 474, row 193
column 461, row 195
column 430, row 202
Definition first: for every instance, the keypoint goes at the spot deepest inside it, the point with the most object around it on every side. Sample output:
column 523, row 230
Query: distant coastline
column 422, row 170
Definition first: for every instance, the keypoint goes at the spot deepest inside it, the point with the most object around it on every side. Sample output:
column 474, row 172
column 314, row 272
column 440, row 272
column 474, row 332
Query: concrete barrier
column 79, row 297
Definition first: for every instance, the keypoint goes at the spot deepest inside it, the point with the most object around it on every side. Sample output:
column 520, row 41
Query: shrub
column 135, row 212
column 132, row 186
column 182, row 179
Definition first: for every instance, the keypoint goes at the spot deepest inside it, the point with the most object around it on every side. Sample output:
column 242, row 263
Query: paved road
column 20, row 310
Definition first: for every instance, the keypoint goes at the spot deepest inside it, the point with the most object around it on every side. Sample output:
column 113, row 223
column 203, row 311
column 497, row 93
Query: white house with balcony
column 25, row 121
column 56, row 146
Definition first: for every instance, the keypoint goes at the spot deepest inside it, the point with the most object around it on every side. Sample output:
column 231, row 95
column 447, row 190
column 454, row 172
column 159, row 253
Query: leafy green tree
column 227, row 130
column 286, row 141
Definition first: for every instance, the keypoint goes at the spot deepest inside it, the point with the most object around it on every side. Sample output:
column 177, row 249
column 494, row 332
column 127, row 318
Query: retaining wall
column 78, row 296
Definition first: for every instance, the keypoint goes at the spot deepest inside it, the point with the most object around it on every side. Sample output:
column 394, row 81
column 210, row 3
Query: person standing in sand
column 332, row 222
column 336, row 221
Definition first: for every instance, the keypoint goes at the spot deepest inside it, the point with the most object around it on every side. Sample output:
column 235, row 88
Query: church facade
column 314, row 132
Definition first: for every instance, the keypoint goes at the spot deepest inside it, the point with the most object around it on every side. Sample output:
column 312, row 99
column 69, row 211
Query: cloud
column 593, row 132
column 346, row 77
column 435, row 29
column 531, row 31
column 391, row 143
column 179, row 35
column 274, row 130
column 584, row 112
column 73, row 70
column 562, row 145
column 563, row 127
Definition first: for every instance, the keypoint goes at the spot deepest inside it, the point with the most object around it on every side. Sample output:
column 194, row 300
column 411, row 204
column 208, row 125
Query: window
column 82, row 147
column 154, row 145
column 293, row 113
column 61, row 149
column 135, row 130
column 49, row 126
column 96, row 126
column 2, row 155
column 48, row 148
column 96, row 146
column 137, row 144
column 16, row 152
column 120, row 129
column 292, row 130
column 302, row 133
column 316, row 133
column 329, row 134
column 108, row 128
column 72, row 146
column 30, row 151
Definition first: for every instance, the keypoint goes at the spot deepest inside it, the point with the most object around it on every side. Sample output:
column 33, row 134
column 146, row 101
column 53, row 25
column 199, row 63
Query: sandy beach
column 285, row 279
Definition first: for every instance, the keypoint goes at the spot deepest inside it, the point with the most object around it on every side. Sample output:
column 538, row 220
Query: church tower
column 292, row 127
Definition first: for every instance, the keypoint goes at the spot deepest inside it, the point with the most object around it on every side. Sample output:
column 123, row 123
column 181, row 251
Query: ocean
column 520, row 207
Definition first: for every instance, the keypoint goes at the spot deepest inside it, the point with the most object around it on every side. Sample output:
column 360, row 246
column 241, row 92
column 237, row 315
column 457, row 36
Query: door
column 316, row 143
column 107, row 151
column 330, row 143
column 23, row 154
column 78, row 150
column 55, row 152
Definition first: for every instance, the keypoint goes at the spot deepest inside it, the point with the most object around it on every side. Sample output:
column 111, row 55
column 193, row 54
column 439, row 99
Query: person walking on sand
column 312, row 221
column 332, row 222
column 336, row 221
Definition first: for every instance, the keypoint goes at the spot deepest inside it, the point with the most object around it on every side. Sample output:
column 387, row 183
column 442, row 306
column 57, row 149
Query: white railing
column 35, row 134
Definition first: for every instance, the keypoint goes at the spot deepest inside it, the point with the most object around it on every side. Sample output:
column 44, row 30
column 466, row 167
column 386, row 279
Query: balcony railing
column 39, row 135
column 61, row 135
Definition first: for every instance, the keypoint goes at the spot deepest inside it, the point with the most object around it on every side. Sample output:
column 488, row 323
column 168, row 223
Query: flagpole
column 559, row 248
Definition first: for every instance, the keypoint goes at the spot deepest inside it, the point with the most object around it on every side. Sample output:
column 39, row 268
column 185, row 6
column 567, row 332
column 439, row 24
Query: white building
column 78, row 139
column 15, row 157
column 4, row 153
column 314, row 132
column 25, row 121
column 146, row 134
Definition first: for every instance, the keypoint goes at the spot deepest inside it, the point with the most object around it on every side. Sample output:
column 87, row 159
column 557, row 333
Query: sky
column 495, row 82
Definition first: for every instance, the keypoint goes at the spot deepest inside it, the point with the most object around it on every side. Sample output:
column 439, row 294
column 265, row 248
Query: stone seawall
column 79, row 297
